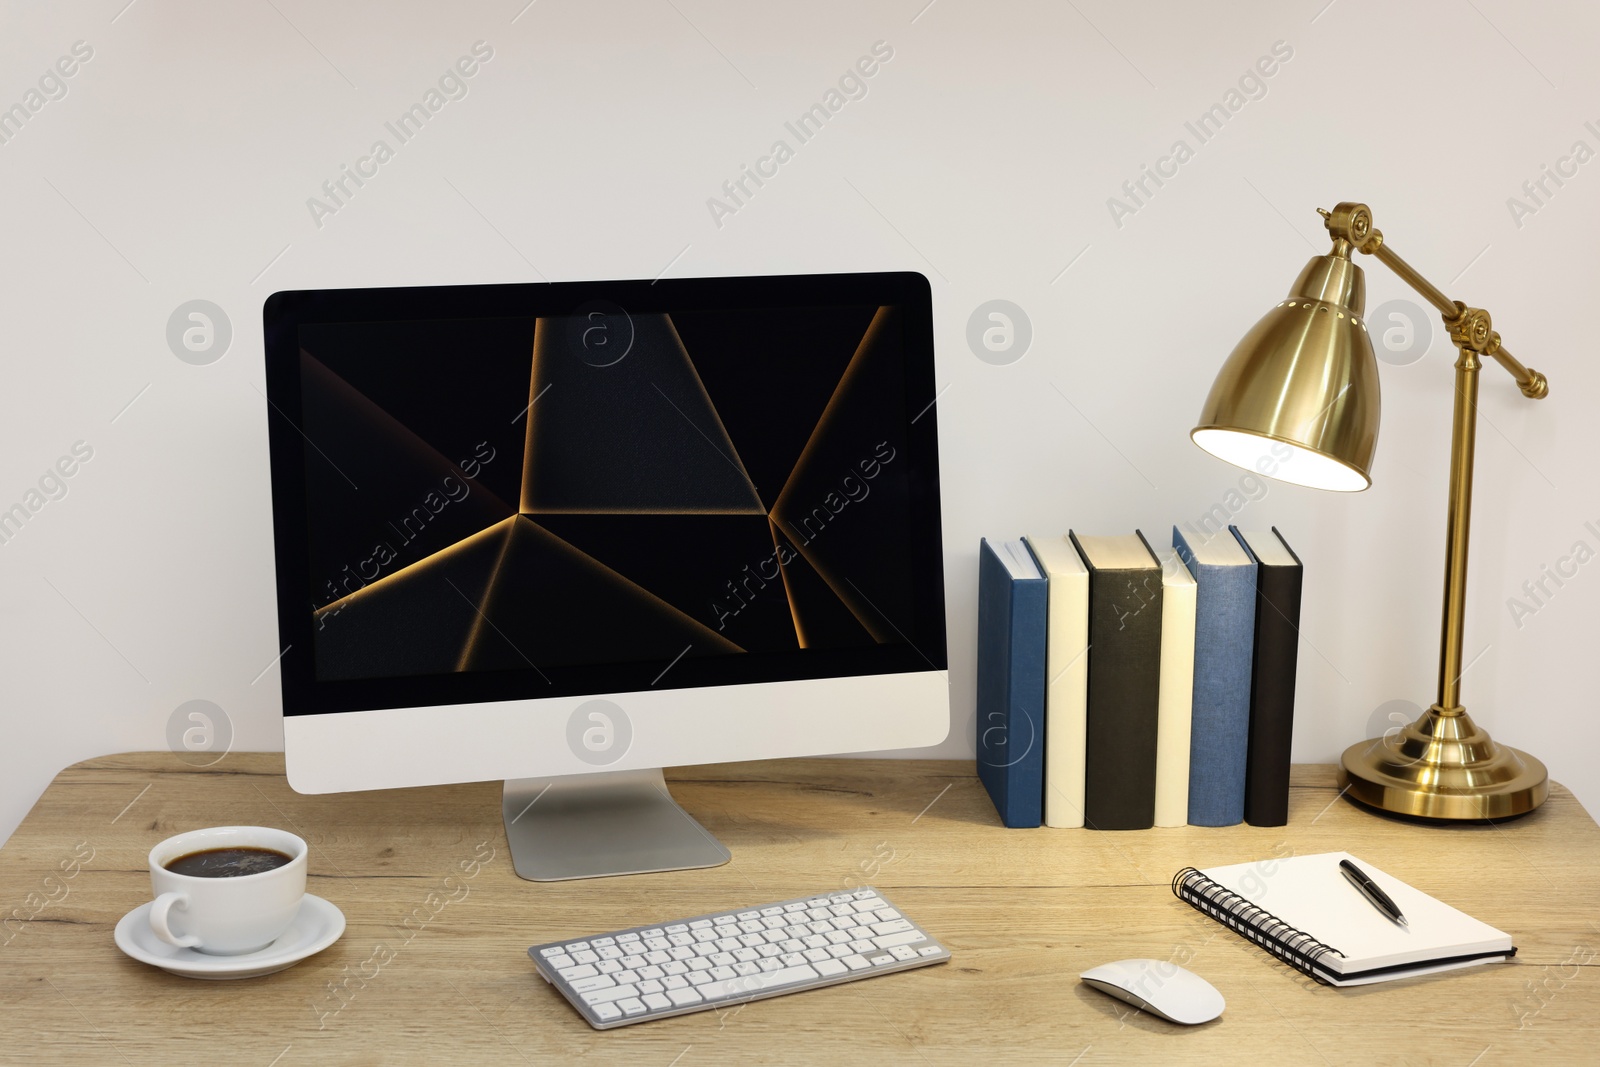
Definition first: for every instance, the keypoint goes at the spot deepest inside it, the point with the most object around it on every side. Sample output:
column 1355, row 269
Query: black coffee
column 228, row 862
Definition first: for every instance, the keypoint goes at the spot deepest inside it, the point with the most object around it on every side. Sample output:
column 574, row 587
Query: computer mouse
column 1160, row 987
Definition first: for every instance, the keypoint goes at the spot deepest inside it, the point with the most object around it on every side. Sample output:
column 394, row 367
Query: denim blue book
column 1012, row 602
column 1224, row 643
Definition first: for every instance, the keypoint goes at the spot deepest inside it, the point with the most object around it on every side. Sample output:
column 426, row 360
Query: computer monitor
column 569, row 534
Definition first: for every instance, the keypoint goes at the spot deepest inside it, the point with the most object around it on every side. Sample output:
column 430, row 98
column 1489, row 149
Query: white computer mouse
column 1159, row 986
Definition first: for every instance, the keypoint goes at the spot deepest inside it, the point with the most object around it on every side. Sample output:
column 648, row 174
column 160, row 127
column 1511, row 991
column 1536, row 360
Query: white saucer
column 318, row 925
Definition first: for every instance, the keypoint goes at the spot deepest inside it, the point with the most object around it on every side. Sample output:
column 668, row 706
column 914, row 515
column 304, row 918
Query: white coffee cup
column 232, row 915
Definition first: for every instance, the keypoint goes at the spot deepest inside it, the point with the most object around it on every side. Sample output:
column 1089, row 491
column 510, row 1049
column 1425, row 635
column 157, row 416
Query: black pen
column 1369, row 889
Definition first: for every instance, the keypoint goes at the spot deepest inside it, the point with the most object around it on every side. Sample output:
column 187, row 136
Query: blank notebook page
column 1310, row 894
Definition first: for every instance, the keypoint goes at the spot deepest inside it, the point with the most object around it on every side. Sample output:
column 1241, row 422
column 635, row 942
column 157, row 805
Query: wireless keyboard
column 642, row 973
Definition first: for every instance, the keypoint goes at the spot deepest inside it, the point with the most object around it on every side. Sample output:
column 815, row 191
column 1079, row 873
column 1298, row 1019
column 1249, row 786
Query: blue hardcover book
column 1012, row 599
column 1224, row 643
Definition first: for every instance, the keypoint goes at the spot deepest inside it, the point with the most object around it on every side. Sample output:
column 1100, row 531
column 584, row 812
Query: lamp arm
column 1351, row 225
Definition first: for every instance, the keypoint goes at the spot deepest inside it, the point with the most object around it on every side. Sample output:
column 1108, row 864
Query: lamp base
column 1443, row 766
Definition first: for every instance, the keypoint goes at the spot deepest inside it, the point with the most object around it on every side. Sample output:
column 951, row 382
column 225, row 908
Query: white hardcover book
column 1176, row 704
column 1066, row 696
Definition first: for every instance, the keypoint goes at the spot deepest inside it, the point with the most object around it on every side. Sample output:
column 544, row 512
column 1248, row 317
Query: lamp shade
column 1298, row 397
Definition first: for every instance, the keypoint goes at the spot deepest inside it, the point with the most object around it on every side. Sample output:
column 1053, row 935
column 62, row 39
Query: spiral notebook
column 1302, row 910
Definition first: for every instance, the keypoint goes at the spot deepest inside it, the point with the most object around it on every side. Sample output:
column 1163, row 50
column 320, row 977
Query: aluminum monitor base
column 603, row 824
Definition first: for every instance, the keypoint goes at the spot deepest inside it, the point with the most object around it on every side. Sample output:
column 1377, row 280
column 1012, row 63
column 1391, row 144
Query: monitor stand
column 601, row 824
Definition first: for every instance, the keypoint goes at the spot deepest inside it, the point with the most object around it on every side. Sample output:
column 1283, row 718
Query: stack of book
column 1121, row 688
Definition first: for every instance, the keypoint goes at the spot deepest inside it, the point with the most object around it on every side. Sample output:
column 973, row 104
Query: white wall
column 179, row 163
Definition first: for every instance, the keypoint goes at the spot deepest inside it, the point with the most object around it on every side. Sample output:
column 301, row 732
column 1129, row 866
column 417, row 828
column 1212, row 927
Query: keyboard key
column 746, row 968
column 893, row 927
column 631, row 1006
column 879, row 961
column 675, row 967
column 682, row 952
column 723, row 959
column 928, row 950
column 743, row 987
column 699, row 977
column 651, row 971
column 661, row 944
column 903, row 952
column 607, row 996
column 796, row 906
column 768, row 951
column 745, row 916
column 793, row 959
column 600, row 942
column 656, row 1001
column 652, row 932
column 815, row 955
column 650, row 986
column 888, row 915
column 855, row 963
column 907, row 937
column 585, row 956
column 560, row 961
column 673, row 981
column 863, row 945
column 680, row 997
column 771, row 911
column 656, row 958
column 626, row 937
column 770, row 963
column 634, row 948
column 626, row 978
column 610, row 952
column 865, row 894
column 829, row 968
column 573, row 973
column 724, row 920
column 606, row 1012
column 681, row 939
column 700, row 924
column 608, row 966
column 577, row 946
column 680, row 928
column 722, row 974
column 587, row 985
column 752, row 940
column 553, row 950
column 748, row 955
column 836, row 951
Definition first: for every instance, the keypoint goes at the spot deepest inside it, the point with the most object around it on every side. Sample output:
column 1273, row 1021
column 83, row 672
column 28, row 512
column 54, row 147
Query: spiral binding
column 1295, row 947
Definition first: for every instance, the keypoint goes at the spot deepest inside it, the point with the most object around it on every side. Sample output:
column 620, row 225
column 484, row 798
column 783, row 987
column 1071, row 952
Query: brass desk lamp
column 1305, row 380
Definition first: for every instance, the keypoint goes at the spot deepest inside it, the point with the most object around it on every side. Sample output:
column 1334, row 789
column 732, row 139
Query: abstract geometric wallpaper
column 604, row 488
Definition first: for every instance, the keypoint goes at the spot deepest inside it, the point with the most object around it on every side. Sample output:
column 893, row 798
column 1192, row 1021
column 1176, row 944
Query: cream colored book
column 1066, row 694
column 1176, row 703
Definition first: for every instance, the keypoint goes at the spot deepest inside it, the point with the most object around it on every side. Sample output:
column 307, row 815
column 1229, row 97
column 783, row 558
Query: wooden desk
column 1023, row 910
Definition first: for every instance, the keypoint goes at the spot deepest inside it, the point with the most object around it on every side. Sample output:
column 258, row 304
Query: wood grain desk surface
column 433, row 967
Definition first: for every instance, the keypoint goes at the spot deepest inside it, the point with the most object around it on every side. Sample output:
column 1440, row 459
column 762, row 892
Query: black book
column 1124, row 682
column 1277, row 644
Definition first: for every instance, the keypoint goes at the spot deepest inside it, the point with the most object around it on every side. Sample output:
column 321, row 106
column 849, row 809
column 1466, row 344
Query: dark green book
column 1124, row 681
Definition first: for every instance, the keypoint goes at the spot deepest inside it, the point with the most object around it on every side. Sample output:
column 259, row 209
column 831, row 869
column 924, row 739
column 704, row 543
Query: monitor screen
column 489, row 493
